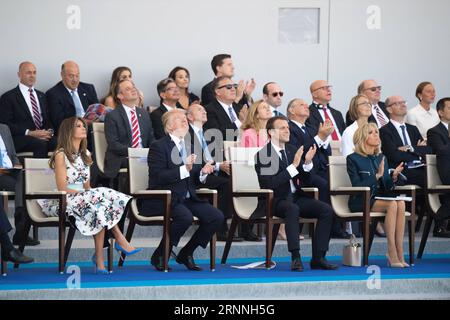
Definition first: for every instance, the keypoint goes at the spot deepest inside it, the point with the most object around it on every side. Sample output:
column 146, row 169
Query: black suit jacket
column 272, row 174
column 155, row 116
column 299, row 138
column 219, row 119
column 439, row 141
column 391, row 140
column 60, row 102
column 382, row 106
column 16, row 114
column 164, row 171
column 118, row 136
column 315, row 118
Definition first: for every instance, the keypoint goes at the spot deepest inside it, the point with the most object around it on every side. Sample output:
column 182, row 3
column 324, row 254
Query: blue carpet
column 140, row 273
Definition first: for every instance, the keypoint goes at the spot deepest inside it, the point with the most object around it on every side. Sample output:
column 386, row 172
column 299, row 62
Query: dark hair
column 117, row 89
column 162, row 85
column 216, row 81
column 420, row 88
column 271, row 122
column 217, row 61
column 441, row 104
column 176, row 69
column 115, row 79
column 265, row 88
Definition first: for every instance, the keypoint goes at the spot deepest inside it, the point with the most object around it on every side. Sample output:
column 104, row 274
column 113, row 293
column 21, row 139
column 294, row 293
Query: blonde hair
column 64, row 144
column 360, row 138
column 251, row 122
column 167, row 115
column 353, row 106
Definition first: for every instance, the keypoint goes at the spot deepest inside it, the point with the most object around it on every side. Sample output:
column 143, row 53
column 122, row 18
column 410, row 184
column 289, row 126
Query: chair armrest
column 350, row 191
column 205, row 191
column 45, row 195
column 253, row 192
column 7, row 193
column 407, row 187
column 310, row 189
column 440, row 188
column 152, row 194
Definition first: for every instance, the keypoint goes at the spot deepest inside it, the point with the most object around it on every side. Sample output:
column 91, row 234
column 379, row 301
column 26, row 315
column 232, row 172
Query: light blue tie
column 1, row 158
column 183, row 151
column 230, row 111
column 205, row 149
column 78, row 107
column 405, row 140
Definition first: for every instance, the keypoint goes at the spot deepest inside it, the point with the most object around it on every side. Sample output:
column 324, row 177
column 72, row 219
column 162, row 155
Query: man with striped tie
column 24, row 110
column 127, row 126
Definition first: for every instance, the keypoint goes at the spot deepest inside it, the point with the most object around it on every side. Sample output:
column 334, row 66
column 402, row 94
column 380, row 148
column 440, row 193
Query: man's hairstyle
column 361, row 87
column 271, row 123
column 117, row 87
column 266, row 87
column 441, row 104
column 291, row 106
column 168, row 115
column 217, row 61
column 162, row 85
column 216, row 82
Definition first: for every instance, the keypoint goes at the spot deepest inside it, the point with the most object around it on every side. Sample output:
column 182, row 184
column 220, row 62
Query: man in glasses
column 372, row 90
column 222, row 66
column 273, row 95
column 321, row 111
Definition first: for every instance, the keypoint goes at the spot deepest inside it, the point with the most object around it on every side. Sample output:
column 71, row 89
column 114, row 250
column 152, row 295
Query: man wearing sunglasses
column 273, row 95
column 372, row 90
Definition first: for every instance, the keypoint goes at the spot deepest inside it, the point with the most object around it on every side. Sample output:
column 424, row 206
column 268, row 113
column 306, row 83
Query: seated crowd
column 385, row 144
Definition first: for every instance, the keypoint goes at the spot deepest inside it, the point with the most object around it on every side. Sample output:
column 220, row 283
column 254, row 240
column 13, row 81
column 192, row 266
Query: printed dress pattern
column 92, row 209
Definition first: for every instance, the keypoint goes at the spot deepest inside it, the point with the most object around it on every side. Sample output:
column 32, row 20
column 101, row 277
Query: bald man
column 69, row 97
column 24, row 111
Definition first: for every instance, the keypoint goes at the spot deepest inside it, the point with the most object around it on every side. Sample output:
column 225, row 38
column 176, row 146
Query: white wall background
column 152, row 37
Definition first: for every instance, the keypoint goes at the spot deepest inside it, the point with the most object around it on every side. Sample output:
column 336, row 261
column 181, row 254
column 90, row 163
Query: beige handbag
column 351, row 254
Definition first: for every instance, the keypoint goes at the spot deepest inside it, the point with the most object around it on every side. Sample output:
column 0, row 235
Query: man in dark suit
column 279, row 167
column 11, row 179
column 69, row 97
column 219, row 179
column 171, row 167
column 224, row 115
column 121, row 132
column 273, row 95
column 372, row 90
column 222, row 66
column 24, row 110
column 320, row 109
column 170, row 94
column 9, row 253
column 438, row 138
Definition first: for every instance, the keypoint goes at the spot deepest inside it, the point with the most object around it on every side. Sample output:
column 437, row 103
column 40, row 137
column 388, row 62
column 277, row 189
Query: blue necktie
column 276, row 113
column 78, row 107
column 405, row 140
column 183, row 151
column 205, row 149
column 1, row 158
column 230, row 111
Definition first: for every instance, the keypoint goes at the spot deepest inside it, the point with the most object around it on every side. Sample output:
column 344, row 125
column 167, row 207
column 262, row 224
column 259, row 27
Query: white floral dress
column 92, row 209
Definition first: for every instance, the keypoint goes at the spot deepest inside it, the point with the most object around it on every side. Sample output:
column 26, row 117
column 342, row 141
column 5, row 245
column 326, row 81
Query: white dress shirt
column 128, row 112
column 422, row 119
column 400, row 132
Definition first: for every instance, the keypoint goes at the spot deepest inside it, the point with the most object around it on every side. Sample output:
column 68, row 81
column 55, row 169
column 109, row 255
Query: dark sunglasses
column 229, row 86
column 373, row 89
column 275, row 94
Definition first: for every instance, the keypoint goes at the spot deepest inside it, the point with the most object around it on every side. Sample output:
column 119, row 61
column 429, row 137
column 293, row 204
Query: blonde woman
column 368, row 167
column 254, row 133
column 93, row 209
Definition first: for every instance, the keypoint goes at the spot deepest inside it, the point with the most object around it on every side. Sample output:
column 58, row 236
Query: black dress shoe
column 17, row 241
column 322, row 264
column 189, row 262
column 16, row 256
column 158, row 263
column 297, row 265
column 222, row 236
column 250, row 236
column 441, row 233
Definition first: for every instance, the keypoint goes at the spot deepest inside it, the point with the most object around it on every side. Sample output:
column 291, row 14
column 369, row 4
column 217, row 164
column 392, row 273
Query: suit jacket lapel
column 399, row 140
column 21, row 101
column 125, row 121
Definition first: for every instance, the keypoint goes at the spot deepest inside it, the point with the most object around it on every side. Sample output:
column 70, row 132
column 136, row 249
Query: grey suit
column 118, row 137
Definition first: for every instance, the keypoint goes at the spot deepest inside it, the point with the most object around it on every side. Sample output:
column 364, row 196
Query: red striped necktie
column 334, row 134
column 380, row 117
column 36, row 114
column 135, row 133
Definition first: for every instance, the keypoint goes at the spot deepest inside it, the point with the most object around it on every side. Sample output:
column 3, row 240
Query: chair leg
column 128, row 236
column 411, row 236
column 110, row 256
column 68, row 245
column 426, row 231
column 419, row 222
column 166, row 245
column 312, row 234
column 372, row 228
column 231, row 232
column 35, row 233
column 269, row 235
column 366, row 236
column 212, row 253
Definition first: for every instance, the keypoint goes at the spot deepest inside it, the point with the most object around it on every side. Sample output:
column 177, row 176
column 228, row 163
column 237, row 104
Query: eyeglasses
column 373, row 89
column 171, row 89
column 326, row 88
column 398, row 103
column 229, row 86
column 367, row 104
column 275, row 94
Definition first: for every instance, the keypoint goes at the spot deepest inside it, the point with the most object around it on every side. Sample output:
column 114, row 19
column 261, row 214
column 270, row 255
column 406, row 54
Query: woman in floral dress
column 94, row 209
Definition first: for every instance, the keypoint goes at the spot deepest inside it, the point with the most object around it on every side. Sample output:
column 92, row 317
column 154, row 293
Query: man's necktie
column 135, row 134
column 405, row 139
column 36, row 114
column 205, row 149
column 284, row 157
column 78, row 107
column 334, row 135
column 380, row 117
column 276, row 113
column 230, row 111
column 1, row 159
column 182, row 151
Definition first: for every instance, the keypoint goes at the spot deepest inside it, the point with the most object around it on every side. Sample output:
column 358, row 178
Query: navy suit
column 164, row 174
column 155, row 116
column 315, row 119
column 118, row 135
column 17, row 115
column 219, row 119
column 61, row 105
column 272, row 174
